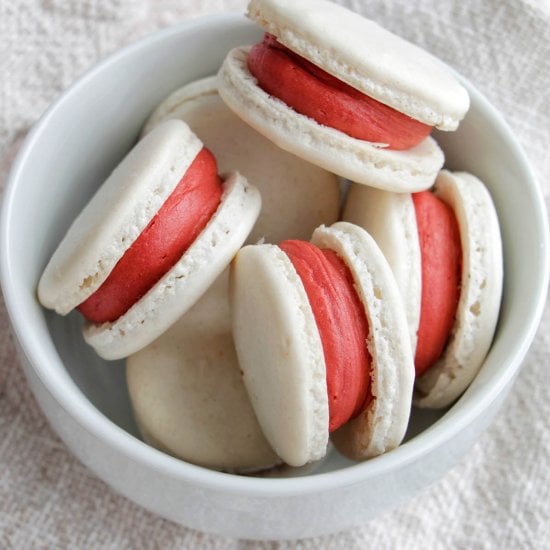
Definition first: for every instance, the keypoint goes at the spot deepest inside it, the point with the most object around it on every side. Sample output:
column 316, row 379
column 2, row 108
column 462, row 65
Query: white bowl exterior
column 162, row 485
column 111, row 102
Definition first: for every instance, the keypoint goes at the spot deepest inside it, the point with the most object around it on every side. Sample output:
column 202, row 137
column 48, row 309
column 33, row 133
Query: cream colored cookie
column 280, row 353
column 381, row 426
column 113, row 220
column 390, row 218
column 188, row 396
column 296, row 196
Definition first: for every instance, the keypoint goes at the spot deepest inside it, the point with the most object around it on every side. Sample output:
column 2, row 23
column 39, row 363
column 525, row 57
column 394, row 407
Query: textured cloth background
column 498, row 496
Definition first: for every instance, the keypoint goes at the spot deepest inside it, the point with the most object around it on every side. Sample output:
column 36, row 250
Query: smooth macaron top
column 366, row 56
column 280, row 353
column 178, row 404
column 116, row 215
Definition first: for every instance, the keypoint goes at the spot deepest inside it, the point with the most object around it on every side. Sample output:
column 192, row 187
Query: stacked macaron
column 323, row 344
column 149, row 243
column 343, row 93
column 362, row 103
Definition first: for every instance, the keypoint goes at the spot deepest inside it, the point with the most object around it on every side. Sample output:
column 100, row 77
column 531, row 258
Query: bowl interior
column 83, row 136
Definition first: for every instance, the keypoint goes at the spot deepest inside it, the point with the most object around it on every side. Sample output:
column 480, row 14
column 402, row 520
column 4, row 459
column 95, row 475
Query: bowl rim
column 70, row 398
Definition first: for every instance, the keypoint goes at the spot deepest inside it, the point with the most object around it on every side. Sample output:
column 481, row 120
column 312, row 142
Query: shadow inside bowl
column 102, row 382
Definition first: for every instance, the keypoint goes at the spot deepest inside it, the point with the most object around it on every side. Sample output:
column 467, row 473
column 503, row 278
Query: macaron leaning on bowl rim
column 387, row 71
column 125, row 208
column 480, row 279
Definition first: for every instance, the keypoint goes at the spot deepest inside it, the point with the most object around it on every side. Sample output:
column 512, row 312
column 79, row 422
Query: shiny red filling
column 311, row 91
column 441, row 254
column 161, row 244
column 342, row 325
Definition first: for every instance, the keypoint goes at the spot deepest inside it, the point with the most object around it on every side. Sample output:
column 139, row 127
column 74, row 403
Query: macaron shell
column 182, row 102
column 116, row 215
column 280, row 353
column 383, row 423
column 366, row 56
column 297, row 196
column 390, row 219
column 178, row 404
column 481, row 291
column 190, row 277
column 403, row 171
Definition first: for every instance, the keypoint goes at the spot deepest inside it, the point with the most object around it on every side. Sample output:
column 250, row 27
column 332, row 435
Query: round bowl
column 63, row 160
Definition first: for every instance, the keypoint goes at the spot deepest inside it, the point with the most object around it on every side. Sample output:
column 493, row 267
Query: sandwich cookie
column 296, row 196
column 188, row 396
column 341, row 92
column 323, row 345
column 446, row 253
column 151, row 240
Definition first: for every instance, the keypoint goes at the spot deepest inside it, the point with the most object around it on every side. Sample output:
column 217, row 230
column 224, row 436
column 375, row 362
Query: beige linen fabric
column 496, row 497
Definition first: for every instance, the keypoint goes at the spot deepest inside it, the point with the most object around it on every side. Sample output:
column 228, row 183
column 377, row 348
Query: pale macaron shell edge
column 181, row 101
column 481, row 291
column 409, row 170
column 391, row 220
column 382, row 425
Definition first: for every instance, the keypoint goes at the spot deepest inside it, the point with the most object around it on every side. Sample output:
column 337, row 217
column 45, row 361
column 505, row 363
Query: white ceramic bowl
column 70, row 151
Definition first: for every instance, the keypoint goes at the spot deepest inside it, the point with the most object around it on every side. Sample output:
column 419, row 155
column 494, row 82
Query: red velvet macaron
column 322, row 342
column 445, row 250
column 340, row 91
column 151, row 240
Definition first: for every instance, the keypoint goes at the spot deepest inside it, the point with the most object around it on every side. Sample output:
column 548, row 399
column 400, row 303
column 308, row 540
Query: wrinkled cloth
column 498, row 496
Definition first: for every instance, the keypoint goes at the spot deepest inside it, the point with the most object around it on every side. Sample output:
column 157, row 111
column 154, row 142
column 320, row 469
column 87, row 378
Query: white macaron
column 281, row 352
column 390, row 218
column 122, row 208
column 297, row 196
column 359, row 53
column 192, row 403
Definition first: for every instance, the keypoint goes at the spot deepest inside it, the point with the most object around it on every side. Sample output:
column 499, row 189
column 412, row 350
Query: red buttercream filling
column 342, row 325
column 161, row 244
column 311, row 91
column 441, row 256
